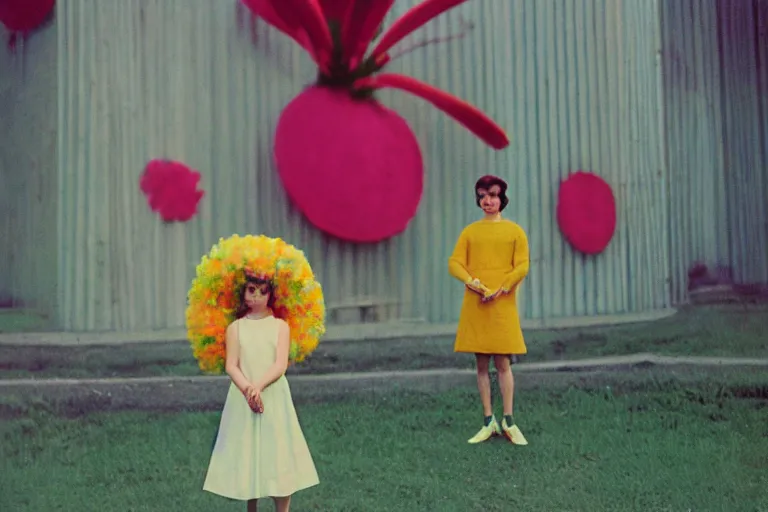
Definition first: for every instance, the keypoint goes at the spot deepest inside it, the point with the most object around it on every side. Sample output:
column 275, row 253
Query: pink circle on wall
column 352, row 167
column 586, row 212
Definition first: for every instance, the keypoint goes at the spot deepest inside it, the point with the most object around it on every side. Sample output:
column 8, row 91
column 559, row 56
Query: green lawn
column 23, row 320
column 731, row 331
column 650, row 445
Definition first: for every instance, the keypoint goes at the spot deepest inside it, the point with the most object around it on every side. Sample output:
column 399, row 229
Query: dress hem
column 240, row 498
column 490, row 353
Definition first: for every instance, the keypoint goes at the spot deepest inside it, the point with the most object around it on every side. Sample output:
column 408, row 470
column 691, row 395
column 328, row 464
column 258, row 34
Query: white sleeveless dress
column 259, row 455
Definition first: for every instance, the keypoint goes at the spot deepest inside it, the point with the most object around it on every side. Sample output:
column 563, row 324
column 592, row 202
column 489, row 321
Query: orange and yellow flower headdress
column 214, row 295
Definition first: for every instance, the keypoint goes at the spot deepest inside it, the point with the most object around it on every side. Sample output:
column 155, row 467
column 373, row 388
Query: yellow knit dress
column 496, row 253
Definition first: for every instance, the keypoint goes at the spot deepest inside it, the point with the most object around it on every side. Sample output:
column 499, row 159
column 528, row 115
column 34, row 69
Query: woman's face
column 256, row 296
column 490, row 201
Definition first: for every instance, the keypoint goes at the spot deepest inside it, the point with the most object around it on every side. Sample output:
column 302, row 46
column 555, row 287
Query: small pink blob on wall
column 586, row 212
column 171, row 189
column 353, row 168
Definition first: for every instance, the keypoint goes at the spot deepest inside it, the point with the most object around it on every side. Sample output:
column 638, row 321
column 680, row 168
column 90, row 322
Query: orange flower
column 215, row 267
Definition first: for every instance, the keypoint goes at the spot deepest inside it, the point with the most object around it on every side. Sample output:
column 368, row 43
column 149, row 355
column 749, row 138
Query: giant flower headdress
column 214, row 296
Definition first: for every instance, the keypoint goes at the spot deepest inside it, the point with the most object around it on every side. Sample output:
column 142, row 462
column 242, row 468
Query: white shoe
column 485, row 433
column 513, row 433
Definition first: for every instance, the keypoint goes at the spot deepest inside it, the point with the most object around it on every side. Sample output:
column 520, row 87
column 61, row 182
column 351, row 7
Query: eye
column 251, row 289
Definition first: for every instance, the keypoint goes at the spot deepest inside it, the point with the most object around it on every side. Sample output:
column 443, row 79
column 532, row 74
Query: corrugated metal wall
column 715, row 94
column 576, row 84
column 744, row 57
column 28, row 178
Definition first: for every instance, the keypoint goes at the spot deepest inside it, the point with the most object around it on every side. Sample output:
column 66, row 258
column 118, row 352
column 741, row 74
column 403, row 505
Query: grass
column 21, row 320
column 613, row 444
column 729, row 331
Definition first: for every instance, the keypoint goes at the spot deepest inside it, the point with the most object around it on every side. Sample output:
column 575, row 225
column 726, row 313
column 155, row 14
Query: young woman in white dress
column 260, row 450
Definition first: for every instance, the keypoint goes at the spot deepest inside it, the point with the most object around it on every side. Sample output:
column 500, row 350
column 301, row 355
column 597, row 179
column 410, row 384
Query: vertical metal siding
column 694, row 132
column 575, row 84
column 715, row 129
column 743, row 44
column 28, row 181
column 6, row 227
column 586, row 96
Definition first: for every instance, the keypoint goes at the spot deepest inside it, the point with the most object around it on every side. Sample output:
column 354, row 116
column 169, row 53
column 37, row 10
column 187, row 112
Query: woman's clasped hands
column 253, row 396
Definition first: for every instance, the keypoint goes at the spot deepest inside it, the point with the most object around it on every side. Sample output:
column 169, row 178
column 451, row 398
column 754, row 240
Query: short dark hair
column 487, row 182
column 242, row 307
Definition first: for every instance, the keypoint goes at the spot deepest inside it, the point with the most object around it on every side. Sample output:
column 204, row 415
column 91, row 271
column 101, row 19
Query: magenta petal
column 468, row 115
column 415, row 18
column 282, row 20
column 310, row 17
column 337, row 10
column 364, row 19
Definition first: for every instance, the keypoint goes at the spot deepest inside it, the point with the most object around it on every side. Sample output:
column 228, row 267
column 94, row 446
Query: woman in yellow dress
column 491, row 260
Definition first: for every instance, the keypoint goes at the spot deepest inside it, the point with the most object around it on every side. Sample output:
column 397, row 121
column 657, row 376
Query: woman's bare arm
column 232, row 365
column 278, row 368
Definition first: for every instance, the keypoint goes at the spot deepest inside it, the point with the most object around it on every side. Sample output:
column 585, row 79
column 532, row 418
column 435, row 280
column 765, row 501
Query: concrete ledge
column 354, row 332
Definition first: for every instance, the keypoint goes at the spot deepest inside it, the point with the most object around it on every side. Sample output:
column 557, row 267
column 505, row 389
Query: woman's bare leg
column 484, row 382
column 506, row 382
column 282, row 504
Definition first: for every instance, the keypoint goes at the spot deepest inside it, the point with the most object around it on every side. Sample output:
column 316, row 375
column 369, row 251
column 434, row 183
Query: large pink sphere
column 352, row 167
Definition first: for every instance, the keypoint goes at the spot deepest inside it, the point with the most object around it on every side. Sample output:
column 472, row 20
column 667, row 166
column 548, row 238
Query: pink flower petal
column 466, row 114
column 415, row 18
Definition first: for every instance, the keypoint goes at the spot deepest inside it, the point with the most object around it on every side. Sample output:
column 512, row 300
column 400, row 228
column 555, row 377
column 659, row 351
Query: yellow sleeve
column 520, row 263
column 457, row 263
